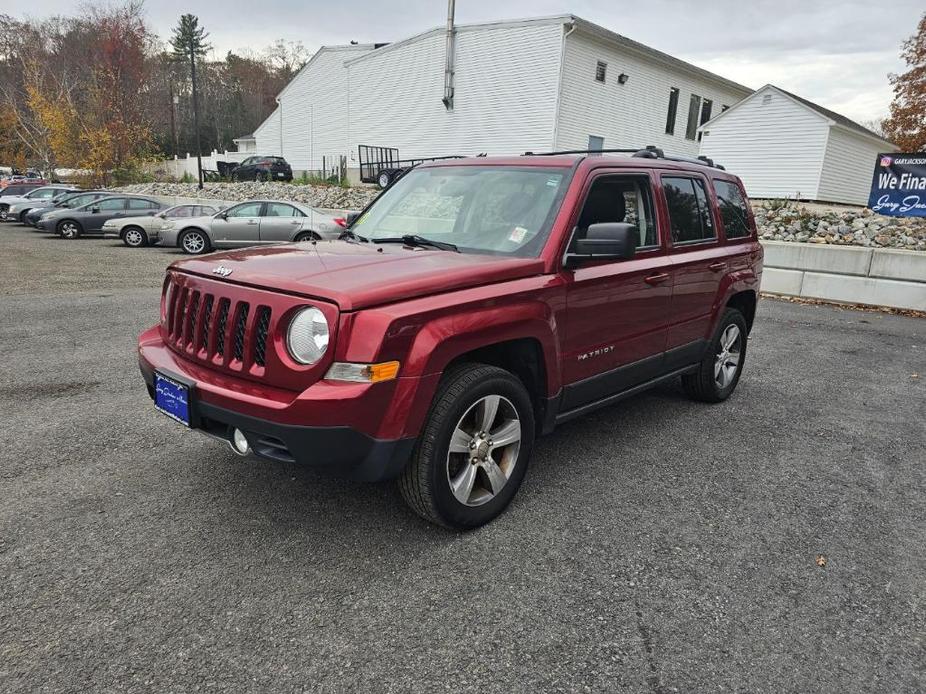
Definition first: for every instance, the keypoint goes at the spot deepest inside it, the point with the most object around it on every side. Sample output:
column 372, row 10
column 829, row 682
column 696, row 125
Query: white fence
column 177, row 167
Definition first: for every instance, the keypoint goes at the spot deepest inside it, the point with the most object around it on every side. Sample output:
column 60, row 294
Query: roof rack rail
column 648, row 152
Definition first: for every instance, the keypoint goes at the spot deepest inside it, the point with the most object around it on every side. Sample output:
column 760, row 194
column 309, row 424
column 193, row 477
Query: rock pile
column 851, row 226
column 329, row 197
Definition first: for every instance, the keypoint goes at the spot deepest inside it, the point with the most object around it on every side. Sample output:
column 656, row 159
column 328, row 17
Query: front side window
column 733, row 211
column 694, row 109
column 177, row 212
column 689, row 211
column 615, row 199
column 112, row 204
column 480, row 209
column 278, row 209
column 249, row 209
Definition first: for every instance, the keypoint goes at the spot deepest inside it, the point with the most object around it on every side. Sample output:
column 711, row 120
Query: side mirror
column 607, row 241
column 222, row 215
column 351, row 217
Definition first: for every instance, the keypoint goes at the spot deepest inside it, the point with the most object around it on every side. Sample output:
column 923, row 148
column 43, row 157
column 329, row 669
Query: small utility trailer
column 382, row 165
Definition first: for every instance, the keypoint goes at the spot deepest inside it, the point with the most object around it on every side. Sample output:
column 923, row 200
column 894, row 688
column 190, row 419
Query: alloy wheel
column 133, row 237
column 483, row 450
column 194, row 243
column 728, row 356
column 69, row 230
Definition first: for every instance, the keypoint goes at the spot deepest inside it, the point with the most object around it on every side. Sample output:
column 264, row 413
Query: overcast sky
column 834, row 52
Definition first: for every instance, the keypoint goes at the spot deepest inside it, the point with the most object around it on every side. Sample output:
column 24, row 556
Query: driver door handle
column 656, row 279
column 717, row 267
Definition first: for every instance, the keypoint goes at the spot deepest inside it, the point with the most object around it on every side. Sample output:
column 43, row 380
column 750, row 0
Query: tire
column 383, row 179
column 460, row 405
column 22, row 217
column 720, row 369
column 134, row 237
column 306, row 236
column 194, row 242
column 69, row 229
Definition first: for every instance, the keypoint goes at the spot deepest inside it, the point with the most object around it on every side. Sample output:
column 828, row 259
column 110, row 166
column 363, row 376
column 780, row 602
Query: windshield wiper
column 421, row 241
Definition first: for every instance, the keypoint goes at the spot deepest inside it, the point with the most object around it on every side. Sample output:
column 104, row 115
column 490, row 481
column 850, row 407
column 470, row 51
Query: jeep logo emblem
column 222, row 270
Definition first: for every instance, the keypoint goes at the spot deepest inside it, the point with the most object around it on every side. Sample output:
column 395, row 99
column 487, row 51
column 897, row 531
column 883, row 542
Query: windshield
column 482, row 209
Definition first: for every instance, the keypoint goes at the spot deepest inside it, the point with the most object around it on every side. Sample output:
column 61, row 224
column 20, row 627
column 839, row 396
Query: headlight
column 307, row 337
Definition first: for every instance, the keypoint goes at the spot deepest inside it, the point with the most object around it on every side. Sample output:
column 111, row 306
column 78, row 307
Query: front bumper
column 333, row 447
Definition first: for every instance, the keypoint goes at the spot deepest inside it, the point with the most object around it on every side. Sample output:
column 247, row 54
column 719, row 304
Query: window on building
column 601, row 70
column 673, row 111
column 767, row 99
column 595, row 143
column 694, row 109
column 626, row 199
column 707, row 106
column 733, row 212
column 689, row 213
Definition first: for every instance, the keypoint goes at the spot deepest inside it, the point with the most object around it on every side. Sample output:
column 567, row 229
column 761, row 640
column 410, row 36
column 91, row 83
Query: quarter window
column 601, row 70
column 625, row 199
column 673, row 111
column 689, row 211
column 250, row 209
column 733, row 210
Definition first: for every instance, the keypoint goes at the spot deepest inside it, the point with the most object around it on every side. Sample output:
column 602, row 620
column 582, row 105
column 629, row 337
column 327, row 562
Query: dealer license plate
column 172, row 398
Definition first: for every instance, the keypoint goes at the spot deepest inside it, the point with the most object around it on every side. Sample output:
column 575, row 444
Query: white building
column 783, row 146
column 535, row 84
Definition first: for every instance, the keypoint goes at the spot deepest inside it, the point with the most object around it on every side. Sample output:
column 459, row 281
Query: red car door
column 616, row 317
column 697, row 265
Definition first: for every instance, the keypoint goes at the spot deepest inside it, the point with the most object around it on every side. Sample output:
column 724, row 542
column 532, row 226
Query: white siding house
column 534, row 84
column 783, row 146
column 310, row 121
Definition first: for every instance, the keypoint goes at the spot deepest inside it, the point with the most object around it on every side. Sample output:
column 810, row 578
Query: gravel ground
column 658, row 545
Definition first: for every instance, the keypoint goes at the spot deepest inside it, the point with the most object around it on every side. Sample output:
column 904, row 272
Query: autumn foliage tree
column 906, row 126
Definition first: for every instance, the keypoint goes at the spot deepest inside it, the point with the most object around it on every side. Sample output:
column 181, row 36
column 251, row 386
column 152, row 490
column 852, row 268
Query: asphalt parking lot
column 659, row 545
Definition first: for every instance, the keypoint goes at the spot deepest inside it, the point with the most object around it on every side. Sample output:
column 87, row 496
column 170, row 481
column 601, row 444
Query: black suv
column 262, row 168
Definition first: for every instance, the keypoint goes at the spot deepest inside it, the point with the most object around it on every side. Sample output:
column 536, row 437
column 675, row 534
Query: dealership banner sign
column 898, row 187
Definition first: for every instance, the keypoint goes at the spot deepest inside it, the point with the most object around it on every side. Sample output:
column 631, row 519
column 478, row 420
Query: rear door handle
column 656, row 279
column 252, row 221
column 717, row 267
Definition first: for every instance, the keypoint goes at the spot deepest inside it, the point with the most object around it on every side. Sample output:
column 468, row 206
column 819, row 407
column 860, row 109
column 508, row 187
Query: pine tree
column 189, row 43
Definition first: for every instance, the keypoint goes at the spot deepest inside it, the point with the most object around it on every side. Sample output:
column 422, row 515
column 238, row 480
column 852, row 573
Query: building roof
column 582, row 24
column 833, row 117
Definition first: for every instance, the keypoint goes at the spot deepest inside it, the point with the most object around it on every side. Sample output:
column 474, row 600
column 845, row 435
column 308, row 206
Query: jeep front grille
column 197, row 328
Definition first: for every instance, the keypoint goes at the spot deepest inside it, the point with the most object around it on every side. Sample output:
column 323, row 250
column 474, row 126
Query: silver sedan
column 252, row 223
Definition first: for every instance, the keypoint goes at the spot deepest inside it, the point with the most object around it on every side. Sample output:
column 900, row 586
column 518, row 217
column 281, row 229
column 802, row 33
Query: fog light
column 239, row 442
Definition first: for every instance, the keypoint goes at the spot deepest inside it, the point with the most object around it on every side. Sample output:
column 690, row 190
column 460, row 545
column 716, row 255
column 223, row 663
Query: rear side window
column 278, row 209
column 136, row 204
column 689, row 212
column 733, row 209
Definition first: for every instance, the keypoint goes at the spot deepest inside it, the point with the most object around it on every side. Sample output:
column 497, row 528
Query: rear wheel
column 474, row 448
column 194, row 242
column 306, row 236
column 720, row 369
column 134, row 237
column 69, row 229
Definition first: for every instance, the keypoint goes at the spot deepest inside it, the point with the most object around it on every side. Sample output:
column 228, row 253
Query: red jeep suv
column 475, row 304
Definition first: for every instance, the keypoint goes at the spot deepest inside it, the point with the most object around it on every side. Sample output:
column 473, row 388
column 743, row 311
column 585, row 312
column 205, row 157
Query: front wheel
column 69, row 229
column 22, row 217
column 194, row 242
column 474, row 448
column 720, row 369
column 135, row 237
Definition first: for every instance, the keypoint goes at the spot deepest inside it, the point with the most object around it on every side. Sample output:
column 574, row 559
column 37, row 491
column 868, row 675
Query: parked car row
column 140, row 221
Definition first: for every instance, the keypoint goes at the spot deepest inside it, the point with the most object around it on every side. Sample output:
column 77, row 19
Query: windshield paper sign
column 898, row 187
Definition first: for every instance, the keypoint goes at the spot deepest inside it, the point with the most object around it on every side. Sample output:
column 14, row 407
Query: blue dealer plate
column 172, row 398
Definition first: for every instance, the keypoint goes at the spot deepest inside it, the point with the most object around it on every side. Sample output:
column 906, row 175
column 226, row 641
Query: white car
column 252, row 223
column 38, row 197
column 136, row 232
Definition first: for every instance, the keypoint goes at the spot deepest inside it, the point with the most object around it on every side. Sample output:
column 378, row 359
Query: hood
column 359, row 275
